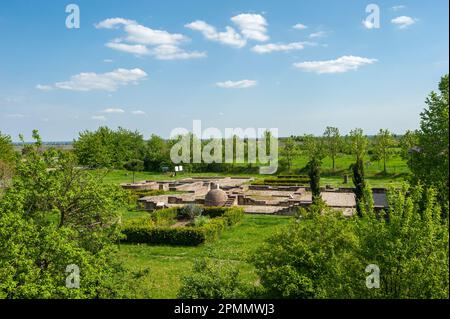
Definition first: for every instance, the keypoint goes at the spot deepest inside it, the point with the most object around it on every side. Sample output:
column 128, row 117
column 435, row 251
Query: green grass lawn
column 168, row 264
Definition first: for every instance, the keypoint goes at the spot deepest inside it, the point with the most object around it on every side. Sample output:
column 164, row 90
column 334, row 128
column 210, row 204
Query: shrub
column 165, row 216
column 201, row 221
column 190, row 211
column 214, row 212
column 181, row 236
column 213, row 280
column 157, row 230
column 233, row 216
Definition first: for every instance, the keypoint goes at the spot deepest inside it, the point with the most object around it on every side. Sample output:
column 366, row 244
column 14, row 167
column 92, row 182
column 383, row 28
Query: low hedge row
column 140, row 231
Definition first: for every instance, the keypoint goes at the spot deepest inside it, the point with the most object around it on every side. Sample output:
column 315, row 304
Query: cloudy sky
column 152, row 66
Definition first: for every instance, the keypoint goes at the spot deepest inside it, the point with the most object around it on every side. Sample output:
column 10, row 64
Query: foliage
column 134, row 166
column 314, row 178
column 158, row 228
column 289, row 151
column 333, row 143
column 383, row 146
column 409, row 245
column 357, row 143
column 312, row 258
column 213, row 280
column 108, row 148
column 359, row 182
column 430, row 164
column 190, row 211
column 325, row 255
column 156, row 154
column 7, row 153
column 54, row 215
column 313, row 147
column 200, row 221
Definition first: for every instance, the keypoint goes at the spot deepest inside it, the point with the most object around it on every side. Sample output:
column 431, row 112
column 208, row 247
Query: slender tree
column 360, row 184
column 134, row 166
column 383, row 144
column 333, row 143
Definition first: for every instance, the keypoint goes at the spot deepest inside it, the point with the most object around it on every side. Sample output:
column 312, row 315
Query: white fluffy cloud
column 299, row 26
column 340, row 65
column 138, row 112
column 228, row 37
column 90, row 81
column 242, row 84
column 113, row 23
column 172, row 52
column 141, row 40
column 252, row 26
column 277, row 47
column 137, row 49
column 403, row 21
column 113, row 110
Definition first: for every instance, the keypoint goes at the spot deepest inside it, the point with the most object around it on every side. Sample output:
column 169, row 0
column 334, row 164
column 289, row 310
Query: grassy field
column 168, row 264
column 397, row 171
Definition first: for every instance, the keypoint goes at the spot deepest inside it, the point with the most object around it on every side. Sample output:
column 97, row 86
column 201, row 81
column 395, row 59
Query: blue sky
column 153, row 66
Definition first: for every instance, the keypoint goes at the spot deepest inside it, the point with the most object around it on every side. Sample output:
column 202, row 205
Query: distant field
column 168, row 264
column 396, row 167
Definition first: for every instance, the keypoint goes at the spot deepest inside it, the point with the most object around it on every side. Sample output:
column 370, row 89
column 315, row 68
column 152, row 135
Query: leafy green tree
column 55, row 215
column 333, row 143
column 431, row 165
column 213, row 280
column 408, row 146
column 383, row 146
column 409, row 244
column 7, row 153
column 134, row 166
column 313, row 147
column 360, row 184
column 157, row 153
column 106, row 148
column 7, row 159
column 314, row 179
column 325, row 255
column 357, row 143
column 311, row 258
column 289, row 151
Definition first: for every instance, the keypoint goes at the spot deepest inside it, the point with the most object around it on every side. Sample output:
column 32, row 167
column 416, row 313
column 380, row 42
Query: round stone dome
column 216, row 198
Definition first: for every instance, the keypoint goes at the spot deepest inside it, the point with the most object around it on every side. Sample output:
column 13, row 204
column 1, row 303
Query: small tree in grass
column 134, row 166
column 383, row 146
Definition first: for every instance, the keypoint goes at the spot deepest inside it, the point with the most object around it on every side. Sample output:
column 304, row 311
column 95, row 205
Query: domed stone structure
column 216, row 198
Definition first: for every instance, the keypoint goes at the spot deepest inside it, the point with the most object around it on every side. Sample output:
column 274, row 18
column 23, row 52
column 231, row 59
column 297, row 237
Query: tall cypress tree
column 360, row 184
column 314, row 179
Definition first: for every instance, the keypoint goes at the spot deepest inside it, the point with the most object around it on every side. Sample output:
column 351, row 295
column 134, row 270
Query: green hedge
column 146, row 230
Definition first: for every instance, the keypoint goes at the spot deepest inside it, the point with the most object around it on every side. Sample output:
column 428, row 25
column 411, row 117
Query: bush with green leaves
column 213, row 280
column 190, row 211
column 54, row 215
column 324, row 255
column 158, row 227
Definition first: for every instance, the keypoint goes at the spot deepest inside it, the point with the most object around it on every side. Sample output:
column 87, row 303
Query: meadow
column 167, row 264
